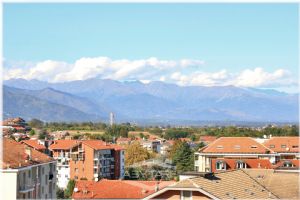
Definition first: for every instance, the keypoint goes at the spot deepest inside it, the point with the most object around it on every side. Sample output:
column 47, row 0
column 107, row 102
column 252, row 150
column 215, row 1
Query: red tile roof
column 117, row 189
column 240, row 145
column 64, row 144
column 14, row 155
column 121, row 139
column 34, row 144
column 251, row 163
column 207, row 138
column 295, row 163
column 99, row 145
column 283, row 144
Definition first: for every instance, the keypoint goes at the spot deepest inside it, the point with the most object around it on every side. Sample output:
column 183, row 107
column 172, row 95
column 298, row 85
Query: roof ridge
column 263, row 145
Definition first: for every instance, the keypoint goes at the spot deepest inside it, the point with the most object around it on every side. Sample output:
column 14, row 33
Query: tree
column 135, row 153
column 43, row 134
column 183, row 158
column 36, row 123
column 59, row 193
column 69, row 190
column 32, row 132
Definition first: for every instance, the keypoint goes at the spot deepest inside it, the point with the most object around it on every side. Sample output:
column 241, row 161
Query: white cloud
column 183, row 72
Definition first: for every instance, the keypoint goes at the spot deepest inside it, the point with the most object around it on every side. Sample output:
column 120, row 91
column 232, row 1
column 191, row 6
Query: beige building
column 26, row 173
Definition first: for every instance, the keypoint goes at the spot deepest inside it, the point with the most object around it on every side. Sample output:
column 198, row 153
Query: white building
column 26, row 173
column 61, row 150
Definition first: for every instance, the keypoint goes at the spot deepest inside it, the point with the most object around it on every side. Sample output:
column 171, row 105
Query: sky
column 246, row 45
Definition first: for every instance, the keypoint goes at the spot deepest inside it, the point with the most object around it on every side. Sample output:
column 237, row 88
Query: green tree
column 32, row 132
column 36, row 123
column 59, row 193
column 183, row 158
column 69, row 190
column 43, row 134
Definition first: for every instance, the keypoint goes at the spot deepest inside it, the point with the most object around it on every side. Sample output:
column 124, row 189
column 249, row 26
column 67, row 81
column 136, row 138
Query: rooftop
column 99, row 145
column 235, row 145
column 235, row 184
column 117, row 189
column 64, row 144
column 283, row 144
column 34, row 144
column 16, row 155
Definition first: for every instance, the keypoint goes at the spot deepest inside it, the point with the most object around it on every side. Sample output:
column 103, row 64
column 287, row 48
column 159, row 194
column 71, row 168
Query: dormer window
column 220, row 165
column 272, row 146
column 283, row 146
column 287, row 164
column 219, row 147
column 241, row 164
column 253, row 147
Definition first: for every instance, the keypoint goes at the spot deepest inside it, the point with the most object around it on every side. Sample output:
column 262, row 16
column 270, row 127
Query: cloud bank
column 185, row 72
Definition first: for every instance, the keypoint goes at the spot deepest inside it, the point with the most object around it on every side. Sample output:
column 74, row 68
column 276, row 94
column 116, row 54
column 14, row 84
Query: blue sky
column 260, row 38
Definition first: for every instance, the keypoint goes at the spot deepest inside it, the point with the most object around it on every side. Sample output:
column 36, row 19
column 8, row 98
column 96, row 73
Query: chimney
column 28, row 152
column 156, row 186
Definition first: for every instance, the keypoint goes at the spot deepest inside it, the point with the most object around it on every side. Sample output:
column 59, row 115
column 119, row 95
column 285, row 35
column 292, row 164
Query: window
column 186, row 195
column 29, row 174
column 219, row 147
column 76, row 170
column 295, row 146
column 66, row 175
column 241, row 165
column 272, row 146
column 220, row 165
column 42, row 189
column 283, row 146
column 43, row 171
column 287, row 164
column 46, row 179
column 76, row 177
column 253, row 146
column 196, row 168
column 196, row 157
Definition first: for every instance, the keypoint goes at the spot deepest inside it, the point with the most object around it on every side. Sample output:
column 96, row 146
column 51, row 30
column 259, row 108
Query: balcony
column 26, row 188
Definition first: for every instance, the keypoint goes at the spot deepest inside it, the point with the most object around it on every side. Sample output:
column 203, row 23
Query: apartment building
column 61, row 151
column 26, row 173
column 96, row 159
column 152, row 145
column 228, row 153
column 87, row 159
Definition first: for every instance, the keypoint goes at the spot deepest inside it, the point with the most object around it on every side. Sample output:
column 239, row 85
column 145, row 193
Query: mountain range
column 93, row 100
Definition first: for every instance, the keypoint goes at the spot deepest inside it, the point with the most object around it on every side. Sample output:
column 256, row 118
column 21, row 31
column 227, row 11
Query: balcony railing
column 26, row 188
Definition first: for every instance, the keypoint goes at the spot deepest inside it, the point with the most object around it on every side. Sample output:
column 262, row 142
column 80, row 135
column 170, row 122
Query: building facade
column 26, row 173
column 227, row 153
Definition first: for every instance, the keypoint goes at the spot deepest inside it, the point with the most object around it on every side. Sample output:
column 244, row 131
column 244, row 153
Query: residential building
column 17, row 123
column 61, row 151
column 152, row 145
column 96, row 159
column 26, row 173
column 242, row 152
column 117, row 189
column 234, row 184
column 284, row 147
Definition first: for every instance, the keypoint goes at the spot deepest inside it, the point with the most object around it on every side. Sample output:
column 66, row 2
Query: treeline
column 121, row 130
